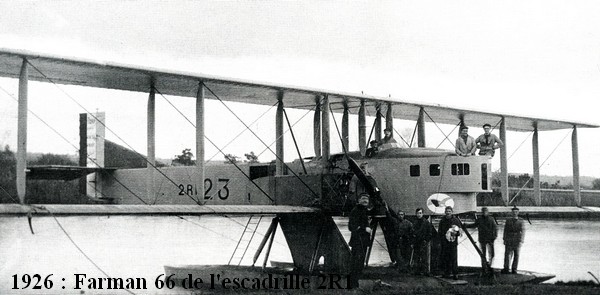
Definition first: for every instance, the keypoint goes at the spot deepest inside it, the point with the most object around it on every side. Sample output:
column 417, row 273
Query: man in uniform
column 358, row 224
column 403, row 236
column 488, row 142
column 423, row 231
column 514, row 234
column 449, row 231
column 465, row 144
column 486, row 227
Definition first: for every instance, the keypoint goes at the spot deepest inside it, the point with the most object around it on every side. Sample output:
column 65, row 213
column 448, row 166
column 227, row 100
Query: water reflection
column 127, row 246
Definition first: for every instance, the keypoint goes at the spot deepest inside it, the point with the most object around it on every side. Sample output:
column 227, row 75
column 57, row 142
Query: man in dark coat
column 421, row 248
column 514, row 234
column 360, row 239
column 449, row 231
column 486, row 227
column 403, row 235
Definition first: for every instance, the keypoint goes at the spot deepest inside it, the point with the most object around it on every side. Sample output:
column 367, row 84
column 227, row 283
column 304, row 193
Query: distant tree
column 184, row 159
column 596, row 184
column 231, row 159
column 53, row 159
column 251, row 157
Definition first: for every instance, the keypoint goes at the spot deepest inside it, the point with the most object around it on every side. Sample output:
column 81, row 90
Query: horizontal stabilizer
column 61, row 172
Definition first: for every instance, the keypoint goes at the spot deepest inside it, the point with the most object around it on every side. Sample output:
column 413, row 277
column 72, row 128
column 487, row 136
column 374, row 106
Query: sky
column 531, row 58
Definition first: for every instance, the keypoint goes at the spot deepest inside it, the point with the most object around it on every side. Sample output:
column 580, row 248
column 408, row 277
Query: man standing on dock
column 449, row 231
column 358, row 224
column 486, row 226
column 514, row 234
column 423, row 232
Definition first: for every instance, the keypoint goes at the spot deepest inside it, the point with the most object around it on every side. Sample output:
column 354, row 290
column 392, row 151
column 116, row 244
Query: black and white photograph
column 299, row 147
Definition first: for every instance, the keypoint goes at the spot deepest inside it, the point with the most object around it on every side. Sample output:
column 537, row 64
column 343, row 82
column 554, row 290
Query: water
column 128, row 246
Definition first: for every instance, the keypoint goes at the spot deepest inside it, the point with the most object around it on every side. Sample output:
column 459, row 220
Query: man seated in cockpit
column 387, row 141
column 373, row 150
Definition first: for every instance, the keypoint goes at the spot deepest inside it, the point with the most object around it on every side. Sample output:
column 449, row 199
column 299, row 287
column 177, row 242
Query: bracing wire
column 542, row 164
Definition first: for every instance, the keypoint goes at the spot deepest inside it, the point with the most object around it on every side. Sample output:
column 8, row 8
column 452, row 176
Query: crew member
column 358, row 224
column 449, row 231
column 403, row 236
column 388, row 138
column 486, row 227
column 373, row 150
column 514, row 234
column 488, row 143
column 465, row 144
column 421, row 246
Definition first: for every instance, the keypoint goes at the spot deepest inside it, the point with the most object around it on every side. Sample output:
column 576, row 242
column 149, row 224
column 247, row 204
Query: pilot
column 373, row 150
column 358, row 224
column 423, row 233
column 514, row 234
column 449, row 231
column 388, row 137
column 486, row 227
column 465, row 144
column 488, row 142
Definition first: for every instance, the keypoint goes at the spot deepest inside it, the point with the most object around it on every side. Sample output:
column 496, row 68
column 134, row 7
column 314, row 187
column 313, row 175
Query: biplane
column 304, row 194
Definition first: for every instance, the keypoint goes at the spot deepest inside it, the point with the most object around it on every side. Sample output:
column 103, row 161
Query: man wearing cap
column 465, row 145
column 373, row 150
column 358, row 224
column 486, row 227
column 514, row 234
column 449, row 231
column 488, row 143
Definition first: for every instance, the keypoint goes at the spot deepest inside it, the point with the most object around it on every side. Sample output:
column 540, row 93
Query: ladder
column 245, row 239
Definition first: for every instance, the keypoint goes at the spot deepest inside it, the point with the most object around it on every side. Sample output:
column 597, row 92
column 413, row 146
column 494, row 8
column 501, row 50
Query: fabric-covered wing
column 99, row 74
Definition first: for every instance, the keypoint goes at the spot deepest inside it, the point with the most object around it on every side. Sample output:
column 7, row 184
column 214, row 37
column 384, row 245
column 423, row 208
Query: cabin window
column 460, row 169
column 434, row 170
column 484, row 176
column 261, row 171
column 415, row 170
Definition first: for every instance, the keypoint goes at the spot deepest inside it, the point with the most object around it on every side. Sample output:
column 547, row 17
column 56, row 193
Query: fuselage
column 408, row 178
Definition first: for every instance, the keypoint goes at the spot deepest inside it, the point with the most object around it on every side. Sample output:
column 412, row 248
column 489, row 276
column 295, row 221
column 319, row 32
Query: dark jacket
column 445, row 225
column 514, row 232
column 358, row 221
column 404, row 230
column 486, row 226
column 423, row 230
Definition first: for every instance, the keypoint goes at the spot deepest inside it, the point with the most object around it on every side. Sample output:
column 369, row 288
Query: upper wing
column 64, row 70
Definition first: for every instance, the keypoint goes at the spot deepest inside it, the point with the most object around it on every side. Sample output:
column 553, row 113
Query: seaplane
column 304, row 195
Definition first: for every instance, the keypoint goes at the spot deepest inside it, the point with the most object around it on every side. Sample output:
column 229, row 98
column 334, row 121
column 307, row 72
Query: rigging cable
column 548, row 157
column 265, row 144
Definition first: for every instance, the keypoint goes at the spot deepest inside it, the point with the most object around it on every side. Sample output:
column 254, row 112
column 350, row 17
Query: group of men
column 412, row 244
column 487, row 143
